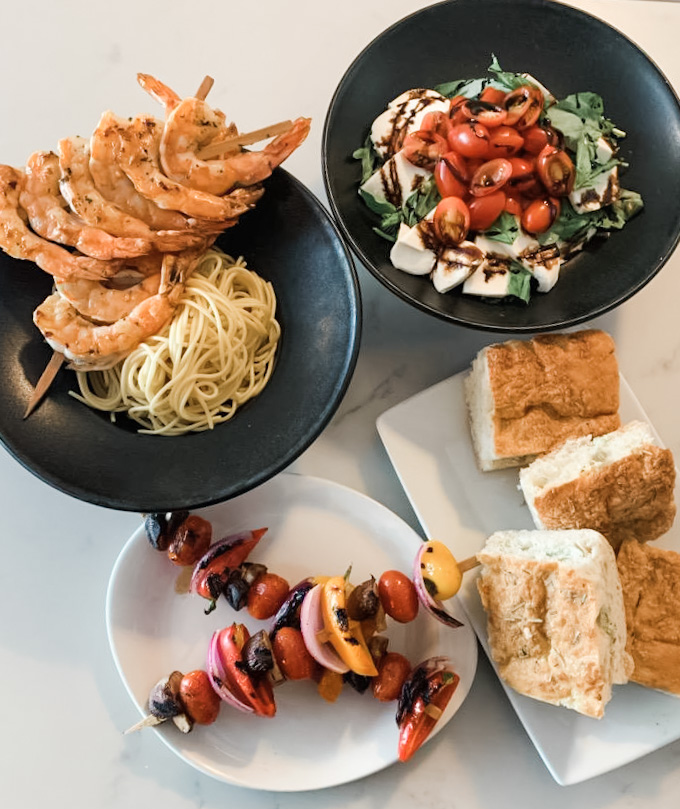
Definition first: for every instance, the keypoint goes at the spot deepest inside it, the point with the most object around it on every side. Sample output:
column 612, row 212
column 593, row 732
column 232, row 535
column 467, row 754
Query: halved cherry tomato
column 523, row 176
column 513, row 204
column 492, row 95
column 436, row 121
column 470, row 139
column 451, row 220
column 451, row 175
column 393, row 669
column 485, row 210
column 456, row 114
column 536, row 137
column 539, row 215
column 490, row 177
column 523, row 105
column 556, row 171
column 398, row 596
column 504, row 141
column 488, row 114
column 424, row 148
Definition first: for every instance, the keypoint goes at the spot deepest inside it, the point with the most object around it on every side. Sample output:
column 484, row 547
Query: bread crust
column 631, row 498
column 552, row 387
column 650, row 578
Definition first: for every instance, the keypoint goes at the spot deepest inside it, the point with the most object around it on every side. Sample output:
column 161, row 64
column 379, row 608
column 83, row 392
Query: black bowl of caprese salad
column 508, row 166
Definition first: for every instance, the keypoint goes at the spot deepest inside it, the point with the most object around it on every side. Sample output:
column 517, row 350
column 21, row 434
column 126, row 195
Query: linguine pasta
column 216, row 353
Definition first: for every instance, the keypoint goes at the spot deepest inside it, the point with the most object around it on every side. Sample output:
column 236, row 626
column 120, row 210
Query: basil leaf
column 624, row 208
column 370, row 159
column 421, row 202
column 505, row 79
column 519, row 285
column 505, row 229
column 379, row 206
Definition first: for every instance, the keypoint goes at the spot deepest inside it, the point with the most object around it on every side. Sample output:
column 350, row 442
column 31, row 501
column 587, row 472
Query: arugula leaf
column 505, row 229
column 519, row 285
column 370, row 159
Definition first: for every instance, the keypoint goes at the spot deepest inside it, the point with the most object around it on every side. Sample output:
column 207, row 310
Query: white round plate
column 316, row 527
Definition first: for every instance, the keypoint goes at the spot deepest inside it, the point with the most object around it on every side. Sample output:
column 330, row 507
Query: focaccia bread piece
column 620, row 484
column 555, row 616
column 650, row 578
column 525, row 397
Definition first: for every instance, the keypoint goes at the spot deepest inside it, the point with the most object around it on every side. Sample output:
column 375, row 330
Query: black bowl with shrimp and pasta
column 289, row 286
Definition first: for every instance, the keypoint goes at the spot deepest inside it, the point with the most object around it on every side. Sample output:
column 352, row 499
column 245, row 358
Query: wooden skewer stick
column 230, row 144
column 468, row 564
column 46, row 379
column 204, row 89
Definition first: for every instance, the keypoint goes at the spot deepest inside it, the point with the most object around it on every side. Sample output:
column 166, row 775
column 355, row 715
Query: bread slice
column 620, row 484
column 526, row 397
column 555, row 616
column 650, row 578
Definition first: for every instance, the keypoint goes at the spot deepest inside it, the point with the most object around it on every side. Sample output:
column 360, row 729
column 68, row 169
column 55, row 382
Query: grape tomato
column 451, row 220
column 490, row 176
column 398, row 596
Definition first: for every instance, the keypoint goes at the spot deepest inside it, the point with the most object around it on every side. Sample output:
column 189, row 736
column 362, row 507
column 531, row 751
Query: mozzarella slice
column 404, row 115
column 410, row 254
column 491, row 279
column 603, row 190
column 395, row 180
column 455, row 265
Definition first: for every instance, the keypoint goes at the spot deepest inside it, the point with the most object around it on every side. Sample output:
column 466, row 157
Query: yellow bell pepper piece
column 440, row 567
column 344, row 634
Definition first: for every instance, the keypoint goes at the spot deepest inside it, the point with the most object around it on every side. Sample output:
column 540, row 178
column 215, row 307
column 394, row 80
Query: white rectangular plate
column 427, row 438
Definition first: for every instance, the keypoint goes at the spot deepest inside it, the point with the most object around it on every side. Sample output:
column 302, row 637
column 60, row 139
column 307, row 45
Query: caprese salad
column 491, row 184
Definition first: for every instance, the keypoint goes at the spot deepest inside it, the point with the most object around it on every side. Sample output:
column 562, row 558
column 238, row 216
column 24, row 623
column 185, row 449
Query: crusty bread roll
column 555, row 616
column 526, row 397
column 650, row 578
column 620, row 484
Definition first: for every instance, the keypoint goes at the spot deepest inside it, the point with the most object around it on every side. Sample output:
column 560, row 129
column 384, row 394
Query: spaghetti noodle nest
column 216, row 353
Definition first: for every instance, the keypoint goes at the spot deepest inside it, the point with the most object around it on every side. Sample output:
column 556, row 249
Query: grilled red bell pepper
column 252, row 691
column 424, row 696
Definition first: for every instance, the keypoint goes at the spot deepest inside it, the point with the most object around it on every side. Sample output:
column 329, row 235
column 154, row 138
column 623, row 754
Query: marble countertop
column 63, row 705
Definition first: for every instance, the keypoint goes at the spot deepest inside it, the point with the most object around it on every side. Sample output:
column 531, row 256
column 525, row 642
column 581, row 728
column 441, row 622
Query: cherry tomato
column 423, row 148
column 451, row 175
column 539, row 215
column 523, row 105
column 190, row 541
column 523, row 176
column 451, row 220
column 398, row 596
column 492, row 95
column 485, row 210
column 469, row 139
column 438, row 122
column 199, row 698
column 556, row 171
column 536, row 137
column 488, row 114
column 393, row 669
column 266, row 594
column 456, row 114
column 490, row 177
column 292, row 656
column 504, row 141
column 513, row 204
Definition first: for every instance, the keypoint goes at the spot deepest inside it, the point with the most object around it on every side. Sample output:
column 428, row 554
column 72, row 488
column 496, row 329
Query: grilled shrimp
column 116, row 187
column 50, row 218
column 103, row 301
column 138, row 144
column 184, row 136
column 78, row 188
column 19, row 242
column 191, row 124
column 89, row 346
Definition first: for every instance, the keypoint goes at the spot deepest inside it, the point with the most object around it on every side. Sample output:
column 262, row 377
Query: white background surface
column 63, row 705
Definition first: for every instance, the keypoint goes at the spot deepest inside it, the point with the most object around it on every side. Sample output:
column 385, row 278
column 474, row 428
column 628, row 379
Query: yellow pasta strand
column 217, row 353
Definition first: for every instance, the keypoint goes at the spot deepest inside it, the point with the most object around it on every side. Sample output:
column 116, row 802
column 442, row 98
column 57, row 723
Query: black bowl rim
column 415, row 302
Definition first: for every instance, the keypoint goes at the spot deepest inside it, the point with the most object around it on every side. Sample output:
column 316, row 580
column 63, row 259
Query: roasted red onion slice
column 434, row 607
column 311, row 623
column 218, row 677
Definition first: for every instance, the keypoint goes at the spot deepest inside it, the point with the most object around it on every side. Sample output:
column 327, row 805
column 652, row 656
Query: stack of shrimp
column 121, row 220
